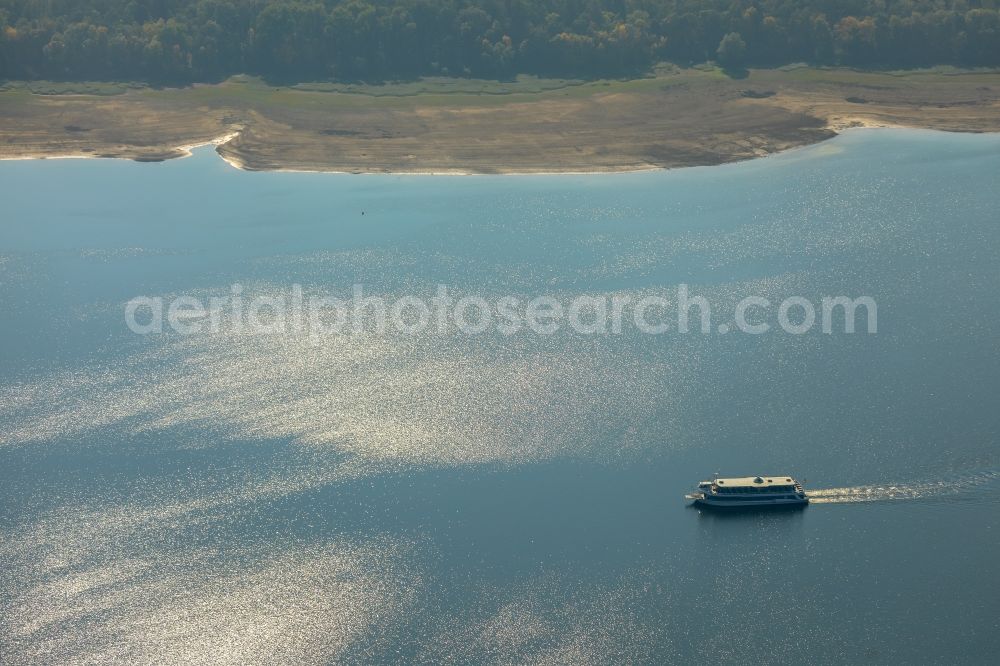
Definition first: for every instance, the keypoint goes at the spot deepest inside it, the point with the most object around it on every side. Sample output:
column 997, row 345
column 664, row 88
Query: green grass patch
column 443, row 86
column 102, row 88
column 847, row 76
column 252, row 91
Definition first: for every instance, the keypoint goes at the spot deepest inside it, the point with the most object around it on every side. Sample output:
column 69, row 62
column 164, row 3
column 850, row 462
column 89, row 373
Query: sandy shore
column 676, row 118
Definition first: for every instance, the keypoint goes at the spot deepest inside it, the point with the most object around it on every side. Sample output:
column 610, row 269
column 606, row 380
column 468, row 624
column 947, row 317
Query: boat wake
column 963, row 487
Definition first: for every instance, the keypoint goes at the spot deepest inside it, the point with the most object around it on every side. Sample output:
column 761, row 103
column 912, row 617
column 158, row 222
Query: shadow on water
column 758, row 513
column 749, row 521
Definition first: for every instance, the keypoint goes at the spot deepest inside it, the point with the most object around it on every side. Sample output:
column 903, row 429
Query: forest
column 185, row 41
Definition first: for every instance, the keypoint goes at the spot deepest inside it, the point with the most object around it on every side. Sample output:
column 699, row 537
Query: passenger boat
column 749, row 491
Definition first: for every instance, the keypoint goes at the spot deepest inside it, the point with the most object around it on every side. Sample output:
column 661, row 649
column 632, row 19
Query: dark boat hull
column 754, row 505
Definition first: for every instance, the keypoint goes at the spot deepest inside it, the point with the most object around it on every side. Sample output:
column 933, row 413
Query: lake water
column 228, row 497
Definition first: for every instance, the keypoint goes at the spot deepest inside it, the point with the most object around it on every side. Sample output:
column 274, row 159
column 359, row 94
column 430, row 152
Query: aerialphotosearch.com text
column 675, row 310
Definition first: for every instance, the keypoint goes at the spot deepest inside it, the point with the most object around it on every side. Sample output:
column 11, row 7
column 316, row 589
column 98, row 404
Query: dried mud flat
column 680, row 118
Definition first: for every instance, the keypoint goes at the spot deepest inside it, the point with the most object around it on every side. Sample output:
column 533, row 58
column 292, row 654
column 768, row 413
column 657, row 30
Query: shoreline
column 187, row 151
column 182, row 151
column 677, row 119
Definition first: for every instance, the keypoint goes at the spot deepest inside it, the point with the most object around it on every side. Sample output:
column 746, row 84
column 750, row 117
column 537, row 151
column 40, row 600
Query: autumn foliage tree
column 181, row 41
column 732, row 51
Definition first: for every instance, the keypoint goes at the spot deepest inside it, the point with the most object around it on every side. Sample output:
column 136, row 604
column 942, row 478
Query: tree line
column 183, row 41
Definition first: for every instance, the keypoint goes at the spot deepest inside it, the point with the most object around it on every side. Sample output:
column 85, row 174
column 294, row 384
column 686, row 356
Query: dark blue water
column 229, row 497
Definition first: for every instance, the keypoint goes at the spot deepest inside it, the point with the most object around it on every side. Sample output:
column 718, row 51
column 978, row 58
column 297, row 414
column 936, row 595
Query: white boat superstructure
column 749, row 491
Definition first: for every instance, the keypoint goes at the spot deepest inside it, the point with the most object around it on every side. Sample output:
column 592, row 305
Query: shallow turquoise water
column 229, row 497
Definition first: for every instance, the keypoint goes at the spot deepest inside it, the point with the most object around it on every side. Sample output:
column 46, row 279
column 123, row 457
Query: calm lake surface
column 230, row 498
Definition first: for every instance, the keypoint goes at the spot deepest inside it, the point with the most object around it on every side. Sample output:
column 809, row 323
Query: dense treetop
column 204, row 40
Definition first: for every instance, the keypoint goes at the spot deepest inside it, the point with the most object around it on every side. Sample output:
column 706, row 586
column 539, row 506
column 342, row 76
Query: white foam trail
column 949, row 487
